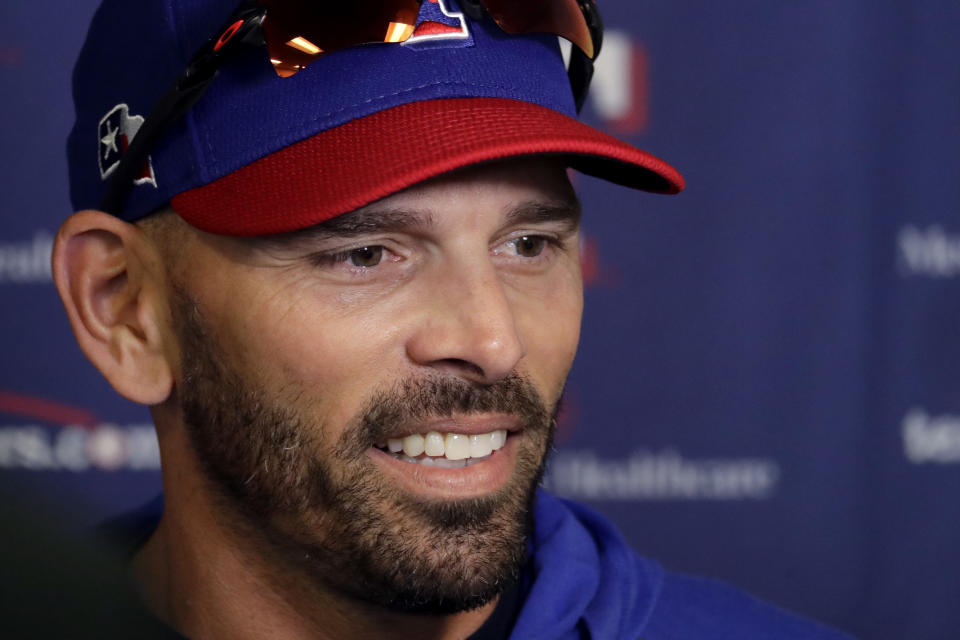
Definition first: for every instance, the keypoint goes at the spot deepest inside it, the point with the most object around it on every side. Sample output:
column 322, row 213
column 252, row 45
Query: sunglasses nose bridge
column 298, row 33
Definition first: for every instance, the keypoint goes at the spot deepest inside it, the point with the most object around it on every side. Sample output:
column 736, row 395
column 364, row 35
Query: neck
column 205, row 577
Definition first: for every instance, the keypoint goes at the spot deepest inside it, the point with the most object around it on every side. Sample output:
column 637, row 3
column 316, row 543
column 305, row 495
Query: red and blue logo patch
column 115, row 132
column 439, row 23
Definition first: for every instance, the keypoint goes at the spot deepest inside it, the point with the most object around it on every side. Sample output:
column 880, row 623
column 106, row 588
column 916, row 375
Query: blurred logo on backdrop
column 27, row 261
column 931, row 439
column 648, row 474
column 52, row 436
column 619, row 92
column 930, row 252
column 664, row 474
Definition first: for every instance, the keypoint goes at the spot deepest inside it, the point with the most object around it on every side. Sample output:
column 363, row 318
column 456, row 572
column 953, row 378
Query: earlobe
column 114, row 297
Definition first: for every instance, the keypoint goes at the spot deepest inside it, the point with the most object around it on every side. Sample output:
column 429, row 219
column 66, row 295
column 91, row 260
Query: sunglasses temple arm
column 580, row 73
column 580, row 69
column 179, row 98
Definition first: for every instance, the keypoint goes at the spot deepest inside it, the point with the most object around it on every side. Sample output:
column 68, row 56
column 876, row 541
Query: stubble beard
column 325, row 508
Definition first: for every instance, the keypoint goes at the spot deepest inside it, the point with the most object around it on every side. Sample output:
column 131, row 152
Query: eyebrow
column 567, row 213
column 354, row 224
column 375, row 221
column 366, row 221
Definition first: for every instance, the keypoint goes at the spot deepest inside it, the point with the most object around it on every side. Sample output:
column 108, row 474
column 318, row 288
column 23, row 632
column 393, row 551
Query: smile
column 445, row 450
column 457, row 456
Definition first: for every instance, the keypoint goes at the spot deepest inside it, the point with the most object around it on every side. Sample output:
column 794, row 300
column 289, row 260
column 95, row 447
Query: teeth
column 481, row 445
column 413, row 445
column 456, row 446
column 433, row 445
column 450, row 451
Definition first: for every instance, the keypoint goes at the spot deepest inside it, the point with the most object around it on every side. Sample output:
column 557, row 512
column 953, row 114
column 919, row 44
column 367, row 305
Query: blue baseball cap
column 259, row 154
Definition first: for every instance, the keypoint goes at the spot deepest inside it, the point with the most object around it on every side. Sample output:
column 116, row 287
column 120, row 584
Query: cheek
column 307, row 349
column 549, row 326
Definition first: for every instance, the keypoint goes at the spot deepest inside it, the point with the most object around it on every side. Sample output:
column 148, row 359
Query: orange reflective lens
column 299, row 32
column 559, row 17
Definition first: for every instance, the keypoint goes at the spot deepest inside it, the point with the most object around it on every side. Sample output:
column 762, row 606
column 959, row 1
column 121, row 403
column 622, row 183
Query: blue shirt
column 582, row 581
column 586, row 582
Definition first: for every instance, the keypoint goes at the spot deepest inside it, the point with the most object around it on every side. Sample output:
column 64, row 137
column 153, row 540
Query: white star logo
column 110, row 141
column 119, row 122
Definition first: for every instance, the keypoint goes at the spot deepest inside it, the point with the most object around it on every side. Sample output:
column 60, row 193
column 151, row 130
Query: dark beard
column 325, row 507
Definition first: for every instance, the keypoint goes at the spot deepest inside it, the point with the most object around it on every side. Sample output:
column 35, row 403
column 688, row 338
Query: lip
column 476, row 480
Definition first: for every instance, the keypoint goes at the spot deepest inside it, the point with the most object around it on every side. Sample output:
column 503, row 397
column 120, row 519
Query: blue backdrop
column 767, row 388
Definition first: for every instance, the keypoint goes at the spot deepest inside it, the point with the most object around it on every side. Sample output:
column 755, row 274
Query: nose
column 468, row 326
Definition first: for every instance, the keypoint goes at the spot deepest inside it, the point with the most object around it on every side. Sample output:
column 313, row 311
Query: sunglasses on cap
column 296, row 33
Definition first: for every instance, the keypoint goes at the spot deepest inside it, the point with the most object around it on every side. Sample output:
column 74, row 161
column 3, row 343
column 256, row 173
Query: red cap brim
column 359, row 162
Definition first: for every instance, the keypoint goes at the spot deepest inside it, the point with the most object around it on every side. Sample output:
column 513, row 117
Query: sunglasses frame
column 244, row 29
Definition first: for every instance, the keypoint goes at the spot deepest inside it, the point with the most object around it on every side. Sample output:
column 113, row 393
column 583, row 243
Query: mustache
column 417, row 400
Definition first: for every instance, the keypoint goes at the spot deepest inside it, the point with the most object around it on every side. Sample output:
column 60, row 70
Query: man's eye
column 365, row 256
column 530, row 246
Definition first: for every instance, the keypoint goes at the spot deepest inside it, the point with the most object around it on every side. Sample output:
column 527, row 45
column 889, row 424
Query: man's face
column 452, row 308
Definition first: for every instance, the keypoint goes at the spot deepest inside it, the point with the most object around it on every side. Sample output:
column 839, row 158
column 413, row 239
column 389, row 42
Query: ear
column 112, row 284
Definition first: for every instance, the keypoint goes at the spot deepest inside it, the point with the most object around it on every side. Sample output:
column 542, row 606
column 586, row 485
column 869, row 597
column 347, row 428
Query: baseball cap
column 259, row 154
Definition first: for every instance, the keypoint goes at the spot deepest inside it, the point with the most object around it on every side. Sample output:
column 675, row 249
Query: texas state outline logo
column 114, row 134
column 438, row 23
